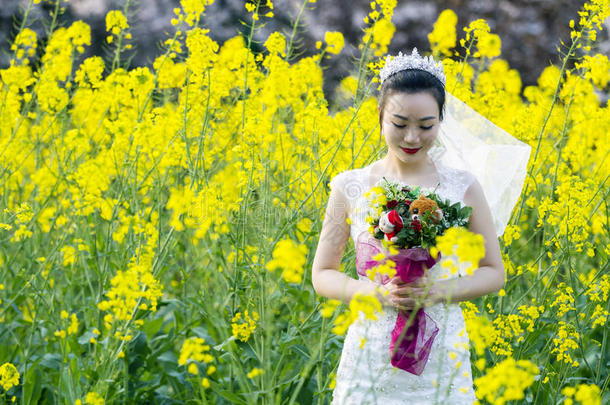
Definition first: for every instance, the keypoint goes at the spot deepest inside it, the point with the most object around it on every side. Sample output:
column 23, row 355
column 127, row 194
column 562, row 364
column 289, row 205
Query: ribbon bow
column 413, row 335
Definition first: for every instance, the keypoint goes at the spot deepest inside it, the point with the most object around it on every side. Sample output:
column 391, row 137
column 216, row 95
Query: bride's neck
column 392, row 166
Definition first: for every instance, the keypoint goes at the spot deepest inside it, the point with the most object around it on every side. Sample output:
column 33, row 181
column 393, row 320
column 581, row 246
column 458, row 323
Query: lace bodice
column 365, row 374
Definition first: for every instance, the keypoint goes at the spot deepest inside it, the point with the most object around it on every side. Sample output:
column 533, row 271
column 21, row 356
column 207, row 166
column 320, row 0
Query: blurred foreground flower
column 468, row 246
column 289, row 257
column 369, row 305
column 506, row 381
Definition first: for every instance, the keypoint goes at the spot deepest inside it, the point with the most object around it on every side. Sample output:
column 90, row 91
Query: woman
column 410, row 105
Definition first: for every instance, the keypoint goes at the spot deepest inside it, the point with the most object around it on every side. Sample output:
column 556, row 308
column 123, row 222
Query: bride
column 411, row 109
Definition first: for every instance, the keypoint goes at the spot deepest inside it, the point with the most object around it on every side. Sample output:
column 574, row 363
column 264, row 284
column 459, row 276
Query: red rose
column 392, row 204
column 408, row 202
column 416, row 225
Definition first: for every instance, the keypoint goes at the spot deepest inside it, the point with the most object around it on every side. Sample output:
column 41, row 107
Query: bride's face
column 410, row 125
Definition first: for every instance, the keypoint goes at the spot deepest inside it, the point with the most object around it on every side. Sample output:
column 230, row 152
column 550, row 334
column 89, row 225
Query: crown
column 414, row 61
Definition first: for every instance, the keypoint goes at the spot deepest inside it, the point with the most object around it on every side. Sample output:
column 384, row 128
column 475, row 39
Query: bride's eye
column 402, row 126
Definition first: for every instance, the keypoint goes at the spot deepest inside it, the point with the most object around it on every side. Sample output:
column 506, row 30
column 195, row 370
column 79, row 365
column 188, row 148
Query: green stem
column 294, row 31
column 605, row 333
column 125, row 378
column 117, row 54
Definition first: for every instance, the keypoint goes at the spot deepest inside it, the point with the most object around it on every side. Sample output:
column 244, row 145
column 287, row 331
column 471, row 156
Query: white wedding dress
column 365, row 374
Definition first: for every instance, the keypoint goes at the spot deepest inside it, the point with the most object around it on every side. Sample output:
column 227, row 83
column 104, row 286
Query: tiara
column 414, row 61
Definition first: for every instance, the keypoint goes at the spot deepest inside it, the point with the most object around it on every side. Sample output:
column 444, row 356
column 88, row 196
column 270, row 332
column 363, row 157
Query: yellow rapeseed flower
column 584, row 394
column 255, row 372
column 116, row 21
column 506, row 381
column 565, row 341
column 599, row 291
column 328, row 307
column 443, row 36
column 243, row 327
column 9, row 376
column 290, row 257
column 488, row 45
column 25, row 45
column 193, row 369
column 597, row 69
column 511, row 233
column 379, row 35
column 467, row 246
column 334, row 41
column 195, row 349
column 367, row 304
column 276, row 44
column 193, row 9
column 599, row 316
column 476, row 27
column 90, row 72
column 564, row 299
column 93, row 398
column 349, row 84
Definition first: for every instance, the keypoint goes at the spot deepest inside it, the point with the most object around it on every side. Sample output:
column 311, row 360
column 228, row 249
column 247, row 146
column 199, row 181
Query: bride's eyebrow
column 421, row 119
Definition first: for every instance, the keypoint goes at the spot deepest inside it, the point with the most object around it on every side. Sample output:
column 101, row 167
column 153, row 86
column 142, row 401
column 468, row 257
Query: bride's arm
column 489, row 277
column 327, row 280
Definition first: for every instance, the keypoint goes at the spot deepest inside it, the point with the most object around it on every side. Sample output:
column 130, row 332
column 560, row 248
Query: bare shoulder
column 474, row 194
column 481, row 213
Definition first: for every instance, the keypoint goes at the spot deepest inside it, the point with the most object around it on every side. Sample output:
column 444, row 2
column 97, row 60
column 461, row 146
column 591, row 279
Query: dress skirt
column 366, row 375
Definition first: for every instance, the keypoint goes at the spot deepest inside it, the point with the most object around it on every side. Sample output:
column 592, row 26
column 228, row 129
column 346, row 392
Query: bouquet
column 408, row 219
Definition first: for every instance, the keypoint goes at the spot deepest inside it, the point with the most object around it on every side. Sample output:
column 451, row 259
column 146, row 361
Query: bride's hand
column 384, row 295
column 409, row 296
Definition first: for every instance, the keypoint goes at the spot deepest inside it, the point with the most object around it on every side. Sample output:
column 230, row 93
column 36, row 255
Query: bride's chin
column 409, row 158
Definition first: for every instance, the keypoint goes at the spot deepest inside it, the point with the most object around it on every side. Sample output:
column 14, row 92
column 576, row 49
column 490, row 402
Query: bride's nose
column 411, row 135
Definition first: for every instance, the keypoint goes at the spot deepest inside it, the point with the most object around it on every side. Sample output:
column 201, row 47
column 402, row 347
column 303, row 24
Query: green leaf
column 51, row 360
column 32, row 384
column 226, row 394
column 153, row 326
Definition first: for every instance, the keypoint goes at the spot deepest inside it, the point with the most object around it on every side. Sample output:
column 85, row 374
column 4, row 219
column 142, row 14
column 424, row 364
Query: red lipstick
column 410, row 151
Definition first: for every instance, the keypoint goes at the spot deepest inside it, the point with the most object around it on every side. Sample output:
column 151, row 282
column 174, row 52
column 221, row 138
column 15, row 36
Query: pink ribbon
column 411, row 338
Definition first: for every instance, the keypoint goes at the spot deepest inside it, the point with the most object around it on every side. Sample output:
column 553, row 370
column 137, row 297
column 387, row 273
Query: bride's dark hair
column 411, row 81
